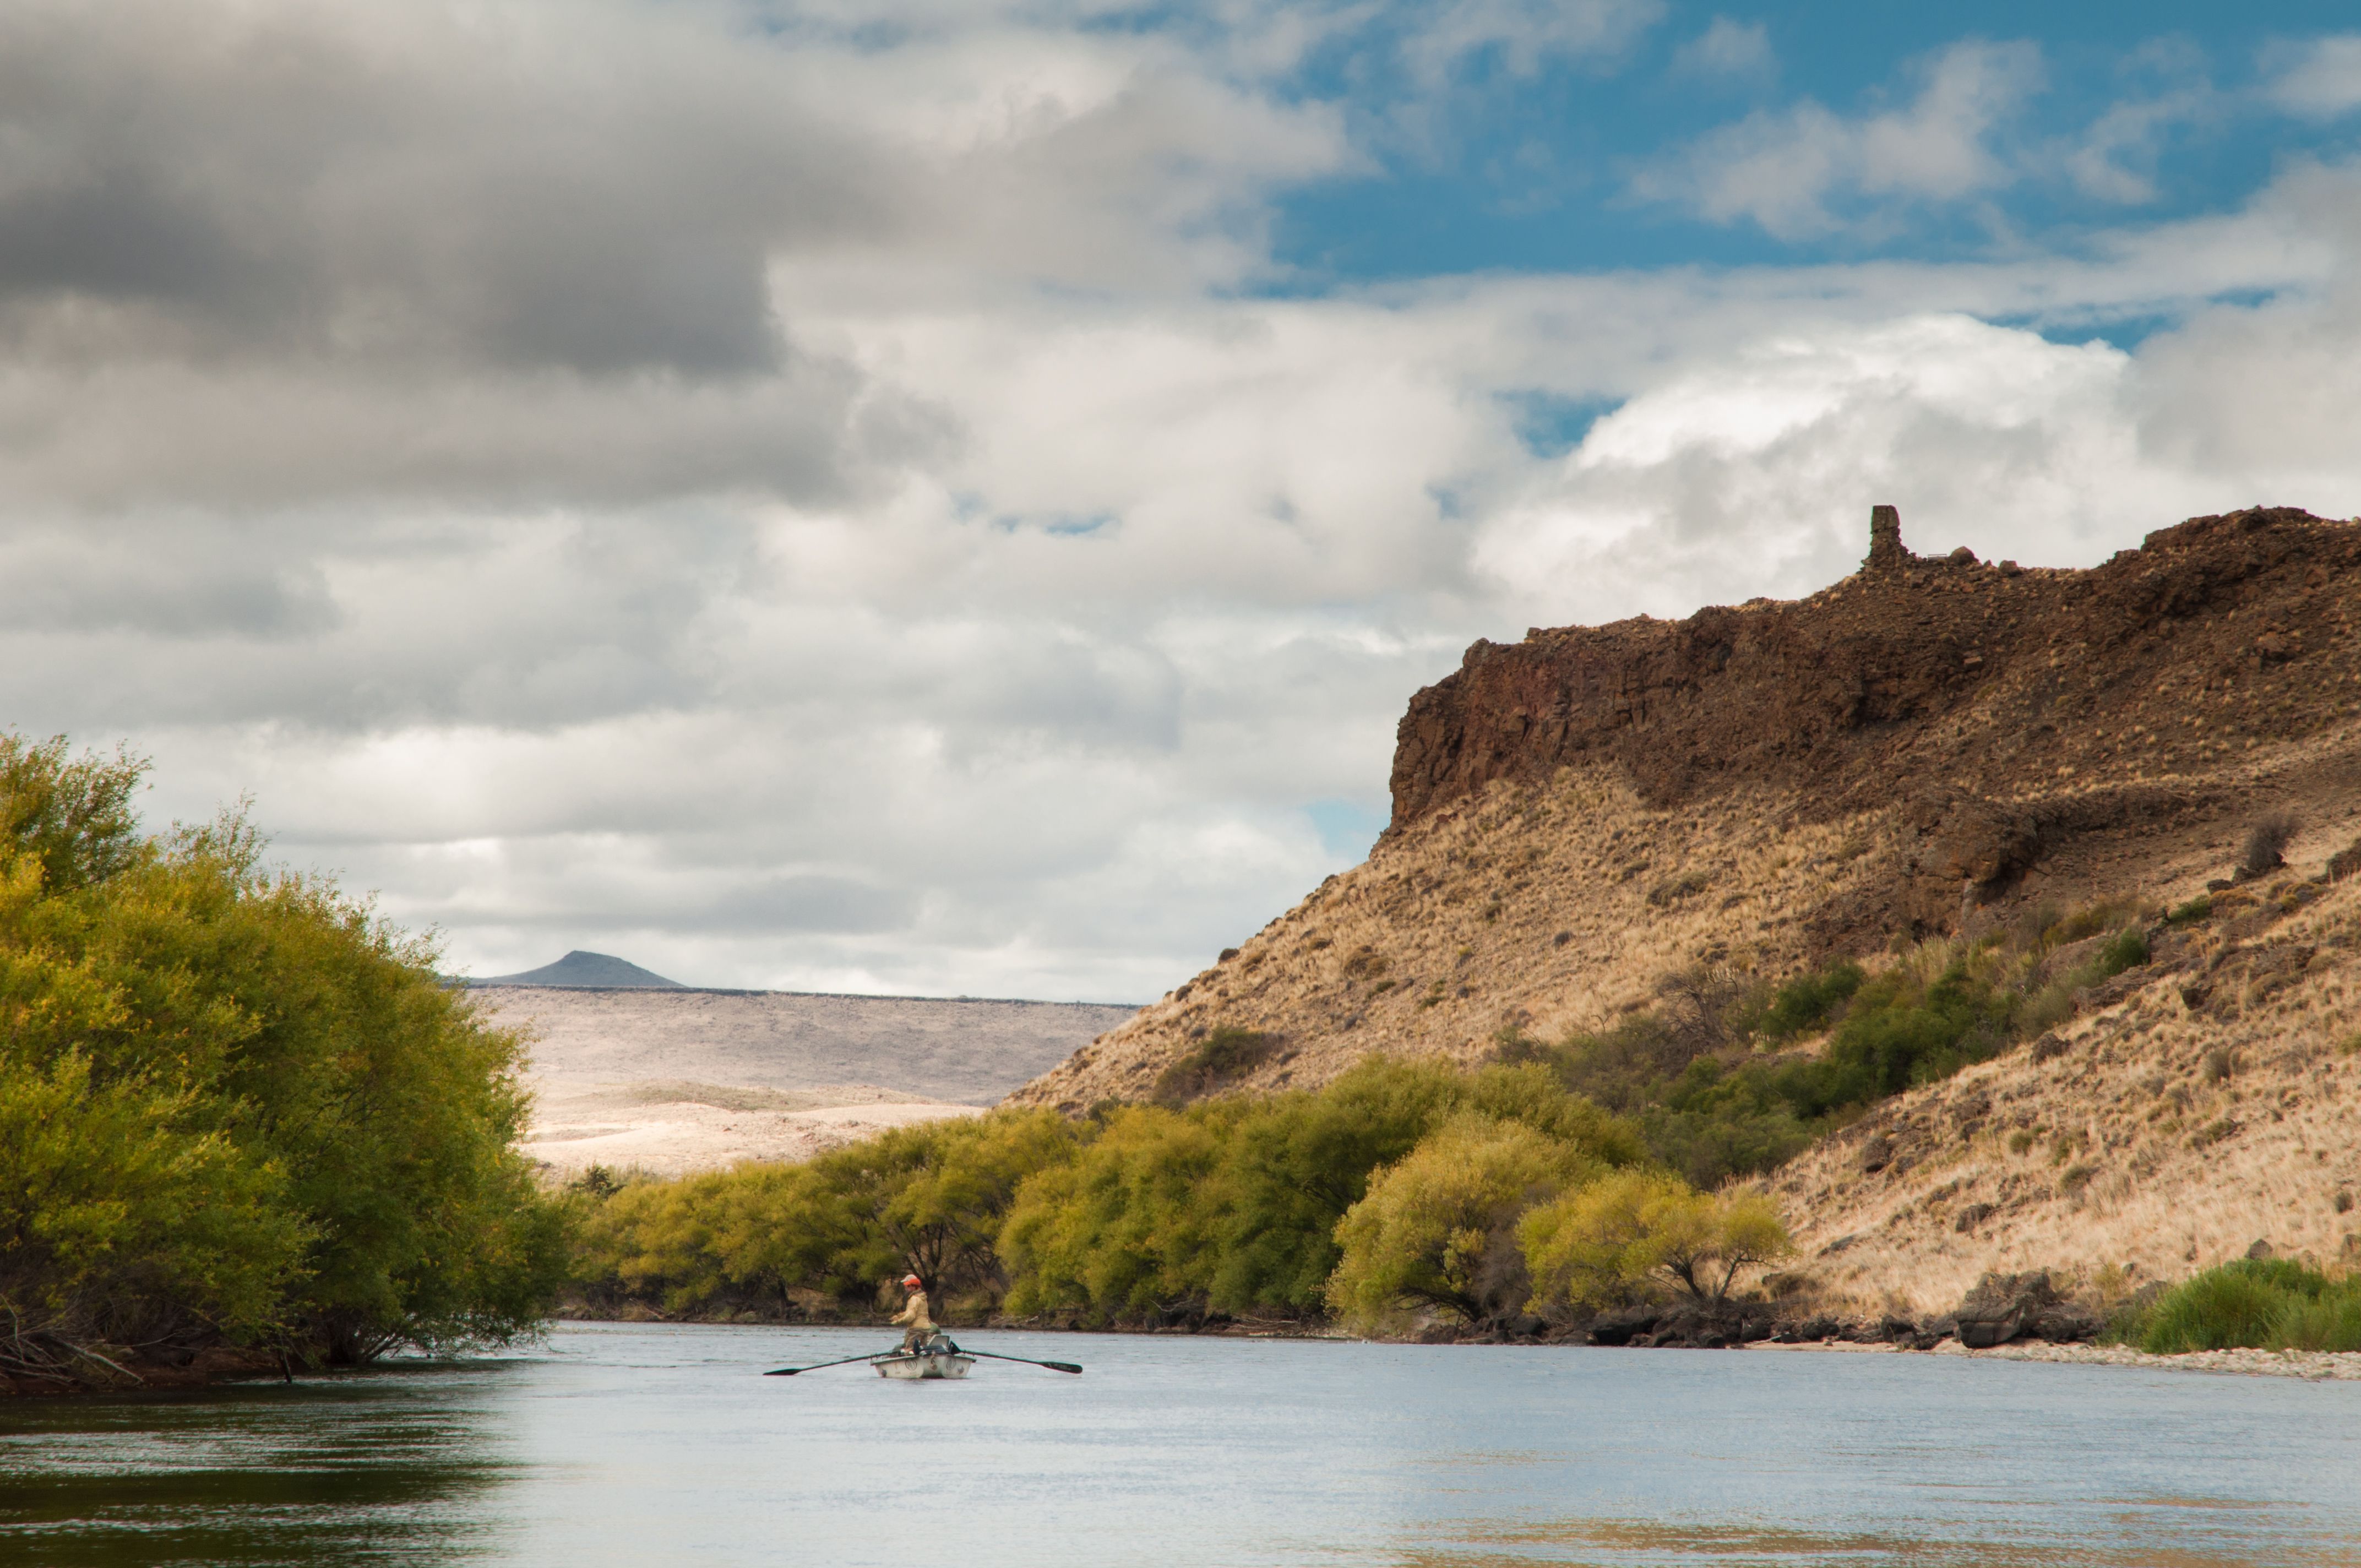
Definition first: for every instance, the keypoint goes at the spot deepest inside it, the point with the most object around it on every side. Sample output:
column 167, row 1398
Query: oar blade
column 1063, row 1367
column 791, row 1371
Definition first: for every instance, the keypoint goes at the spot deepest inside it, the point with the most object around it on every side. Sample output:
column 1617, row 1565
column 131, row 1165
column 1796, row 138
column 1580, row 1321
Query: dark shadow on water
column 385, row 1467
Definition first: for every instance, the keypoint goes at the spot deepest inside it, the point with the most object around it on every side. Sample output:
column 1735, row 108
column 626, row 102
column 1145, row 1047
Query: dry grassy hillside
column 1548, row 908
column 2202, row 1103
column 1578, row 816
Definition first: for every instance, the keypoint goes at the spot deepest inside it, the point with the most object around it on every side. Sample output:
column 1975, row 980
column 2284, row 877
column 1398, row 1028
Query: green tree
column 939, row 1194
column 72, row 815
column 1132, row 1226
column 1296, row 1162
column 337, row 1125
column 1435, row 1227
column 1606, row 1241
column 930, row 1200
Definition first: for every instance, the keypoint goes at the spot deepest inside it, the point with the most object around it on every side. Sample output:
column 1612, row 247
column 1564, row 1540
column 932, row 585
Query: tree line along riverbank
column 244, row 1130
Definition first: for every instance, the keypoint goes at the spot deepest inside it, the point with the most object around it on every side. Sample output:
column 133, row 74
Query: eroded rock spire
column 1885, row 550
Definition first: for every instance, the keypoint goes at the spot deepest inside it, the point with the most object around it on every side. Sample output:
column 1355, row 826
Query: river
column 613, row 1445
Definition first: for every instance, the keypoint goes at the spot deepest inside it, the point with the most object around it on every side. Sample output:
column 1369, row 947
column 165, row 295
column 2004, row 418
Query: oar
column 1052, row 1365
column 791, row 1371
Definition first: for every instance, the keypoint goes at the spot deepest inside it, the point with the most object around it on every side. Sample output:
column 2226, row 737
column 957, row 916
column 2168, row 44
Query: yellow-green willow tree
column 1604, row 1242
column 235, row 1105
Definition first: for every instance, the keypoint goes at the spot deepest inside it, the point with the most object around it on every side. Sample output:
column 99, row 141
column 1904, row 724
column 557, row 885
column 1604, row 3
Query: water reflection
column 391, row 1467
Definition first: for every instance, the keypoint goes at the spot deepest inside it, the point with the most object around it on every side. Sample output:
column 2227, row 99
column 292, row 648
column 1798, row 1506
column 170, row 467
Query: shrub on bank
column 929, row 1199
column 2252, row 1303
column 1224, row 1056
column 1438, row 1229
column 1613, row 1239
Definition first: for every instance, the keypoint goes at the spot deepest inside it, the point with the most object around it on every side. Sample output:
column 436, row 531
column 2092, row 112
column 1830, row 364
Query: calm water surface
column 651, row 1445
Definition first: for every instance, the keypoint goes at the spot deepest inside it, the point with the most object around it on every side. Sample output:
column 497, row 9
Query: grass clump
column 2252, row 1303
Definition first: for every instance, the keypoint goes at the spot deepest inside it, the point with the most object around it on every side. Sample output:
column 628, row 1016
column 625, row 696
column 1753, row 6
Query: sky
column 950, row 499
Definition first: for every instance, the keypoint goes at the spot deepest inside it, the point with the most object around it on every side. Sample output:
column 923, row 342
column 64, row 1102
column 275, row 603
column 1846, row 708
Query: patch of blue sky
column 1348, row 828
column 2070, row 121
column 2124, row 332
column 1065, row 525
column 1550, row 424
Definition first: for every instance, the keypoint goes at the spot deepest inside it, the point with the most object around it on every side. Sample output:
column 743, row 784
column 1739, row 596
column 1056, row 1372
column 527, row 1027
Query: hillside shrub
column 2267, row 841
column 1806, row 1004
column 1222, row 1058
column 1701, row 1076
column 1716, row 1121
column 1899, row 1029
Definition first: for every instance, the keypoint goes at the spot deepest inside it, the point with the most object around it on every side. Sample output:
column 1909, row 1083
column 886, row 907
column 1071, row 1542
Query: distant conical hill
column 578, row 968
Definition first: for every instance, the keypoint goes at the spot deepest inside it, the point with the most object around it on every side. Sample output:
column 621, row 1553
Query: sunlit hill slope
column 1935, row 747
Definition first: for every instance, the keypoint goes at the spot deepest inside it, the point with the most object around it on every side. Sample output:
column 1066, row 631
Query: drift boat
column 938, row 1357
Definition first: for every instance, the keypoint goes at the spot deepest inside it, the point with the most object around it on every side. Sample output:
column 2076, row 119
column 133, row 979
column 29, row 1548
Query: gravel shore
column 2316, row 1365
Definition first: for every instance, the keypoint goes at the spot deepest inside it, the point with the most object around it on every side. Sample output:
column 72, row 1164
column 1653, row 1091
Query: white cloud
column 1787, row 170
column 2320, row 79
column 984, row 613
column 1728, row 47
column 1755, row 473
column 2114, row 159
column 1523, row 35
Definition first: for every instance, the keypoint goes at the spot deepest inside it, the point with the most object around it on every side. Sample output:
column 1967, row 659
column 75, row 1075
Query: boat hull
column 924, row 1365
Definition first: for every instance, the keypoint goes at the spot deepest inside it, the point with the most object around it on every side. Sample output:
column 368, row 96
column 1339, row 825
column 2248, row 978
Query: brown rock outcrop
column 1993, row 680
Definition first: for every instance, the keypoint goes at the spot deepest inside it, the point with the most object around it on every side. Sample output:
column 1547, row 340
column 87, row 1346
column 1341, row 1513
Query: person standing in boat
column 918, row 1327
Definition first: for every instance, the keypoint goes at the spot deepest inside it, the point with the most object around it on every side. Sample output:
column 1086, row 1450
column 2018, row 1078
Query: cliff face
column 1952, row 683
column 1929, row 743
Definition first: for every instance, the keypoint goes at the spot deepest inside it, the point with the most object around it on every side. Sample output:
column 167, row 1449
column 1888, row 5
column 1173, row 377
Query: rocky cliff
column 2018, row 711
column 1929, row 743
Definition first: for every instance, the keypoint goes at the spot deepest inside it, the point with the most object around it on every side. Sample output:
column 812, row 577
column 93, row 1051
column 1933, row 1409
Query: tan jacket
column 914, row 1313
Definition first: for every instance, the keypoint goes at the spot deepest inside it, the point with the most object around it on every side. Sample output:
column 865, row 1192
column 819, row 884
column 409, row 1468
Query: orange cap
column 912, row 1279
